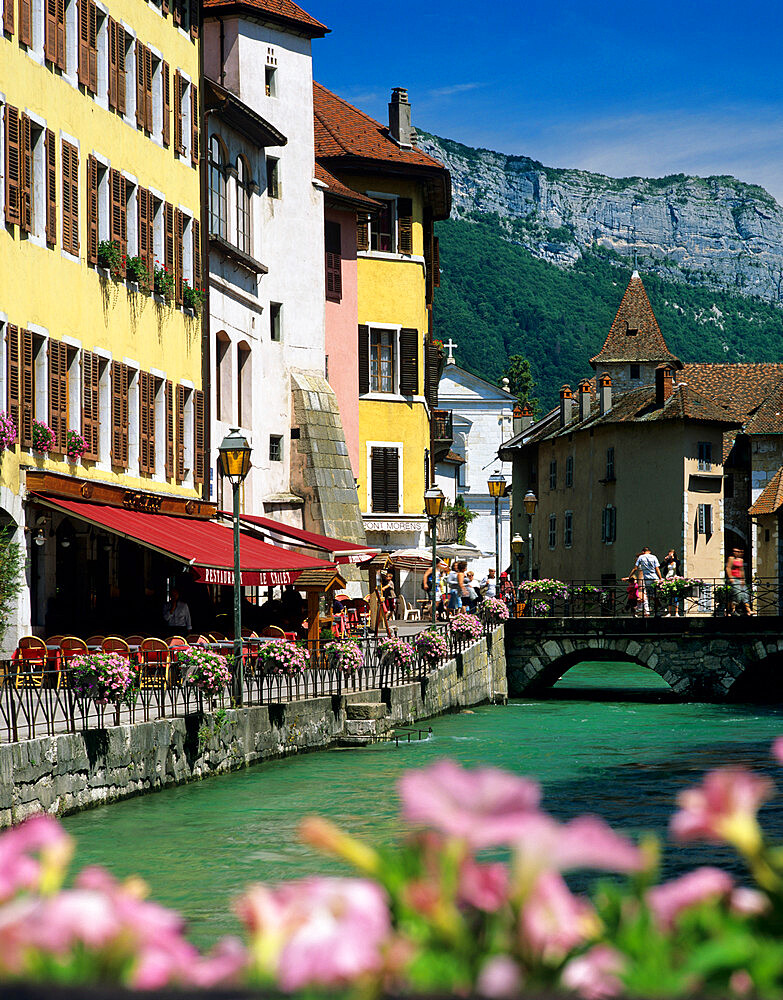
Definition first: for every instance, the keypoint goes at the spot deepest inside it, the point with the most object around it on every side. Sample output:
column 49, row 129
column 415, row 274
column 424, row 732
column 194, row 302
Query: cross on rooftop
column 450, row 348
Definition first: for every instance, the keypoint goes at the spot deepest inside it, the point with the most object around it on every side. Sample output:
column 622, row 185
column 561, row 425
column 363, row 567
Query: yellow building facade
column 100, row 267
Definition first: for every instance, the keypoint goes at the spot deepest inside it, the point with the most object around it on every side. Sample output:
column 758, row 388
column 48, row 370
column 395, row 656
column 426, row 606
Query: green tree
column 12, row 563
column 520, row 379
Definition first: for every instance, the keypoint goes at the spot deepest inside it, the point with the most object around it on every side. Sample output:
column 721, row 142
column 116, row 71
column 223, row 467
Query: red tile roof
column 342, row 192
column 772, row 497
column 282, row 12
column 645, row 343
column 739, row 388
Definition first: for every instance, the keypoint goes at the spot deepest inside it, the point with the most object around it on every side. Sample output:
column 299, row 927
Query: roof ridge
column 353, row 107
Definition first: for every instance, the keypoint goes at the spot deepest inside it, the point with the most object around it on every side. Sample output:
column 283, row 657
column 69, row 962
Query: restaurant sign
column 250, row 578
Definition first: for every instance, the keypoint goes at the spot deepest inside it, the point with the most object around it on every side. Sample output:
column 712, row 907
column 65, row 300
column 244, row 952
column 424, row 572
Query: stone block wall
column 73, row 771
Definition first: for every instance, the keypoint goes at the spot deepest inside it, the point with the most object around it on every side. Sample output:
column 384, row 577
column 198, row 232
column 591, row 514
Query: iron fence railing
column 616, row 599
column 40, row 699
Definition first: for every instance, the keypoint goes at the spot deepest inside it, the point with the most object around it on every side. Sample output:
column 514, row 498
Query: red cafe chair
column 31, row 658
column 154, row 661
column 70, row 648
column 113, row 644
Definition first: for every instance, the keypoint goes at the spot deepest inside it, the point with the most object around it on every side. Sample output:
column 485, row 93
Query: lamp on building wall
column 496, row 484
column 234, row 465
column 433, row 507
column 530, row 502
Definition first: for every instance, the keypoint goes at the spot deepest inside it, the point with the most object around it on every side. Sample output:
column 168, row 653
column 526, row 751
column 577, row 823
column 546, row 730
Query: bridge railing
column 617, row 599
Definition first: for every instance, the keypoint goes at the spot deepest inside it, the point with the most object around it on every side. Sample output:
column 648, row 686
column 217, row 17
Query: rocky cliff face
column 716, row 232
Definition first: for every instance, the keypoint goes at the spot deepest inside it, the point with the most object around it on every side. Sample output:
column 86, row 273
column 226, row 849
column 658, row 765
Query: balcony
column 442, row 433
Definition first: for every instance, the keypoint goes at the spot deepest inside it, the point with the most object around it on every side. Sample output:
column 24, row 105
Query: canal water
column 608, row 739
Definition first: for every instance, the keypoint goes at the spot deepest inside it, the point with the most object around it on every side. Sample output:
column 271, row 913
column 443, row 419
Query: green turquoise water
column 608, row 739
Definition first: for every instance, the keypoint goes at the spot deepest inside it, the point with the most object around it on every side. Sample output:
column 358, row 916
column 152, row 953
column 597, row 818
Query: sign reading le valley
column 141, row 501
column 250, row 578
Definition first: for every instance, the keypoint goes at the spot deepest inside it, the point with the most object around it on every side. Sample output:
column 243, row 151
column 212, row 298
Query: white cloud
column 455, row 88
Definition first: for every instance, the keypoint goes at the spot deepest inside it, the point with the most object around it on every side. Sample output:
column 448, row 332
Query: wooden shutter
column 334, row 274
column 27, row 389
column 26, row 176
column 58, row 393
column 404, row 225
column 83, row 14
column 198, row 436
column 436, row 261
column 25, row 21
column 166, row 103
column 168, row 238
column 169, row 396
column 143, row 209
column 178, row 91
column 51, row 188
column 70, row 163
column 145, row 395
column 141, row 93
column 177, row 9
column 13, row 165
column 180, row 433
column 118, row 221
column 8, row 16
column 92, row 83
column 431, row 375
column 50, row 30
column 179, row 227
column 121, row 82
column 362, row 232
column 13, row 375
column 148, row 89
column 409, row 362
column 197, row 276
column 91, row 404
column 119, row 414
column 194, row 124
column 92, row 210
column 164, row 6
column 385, row 471
column 364, row 360
column 61, row 63
column 112, row 39
column 194, row 17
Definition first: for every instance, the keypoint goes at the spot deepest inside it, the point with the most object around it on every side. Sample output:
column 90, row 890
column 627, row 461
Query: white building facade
column 482, row 418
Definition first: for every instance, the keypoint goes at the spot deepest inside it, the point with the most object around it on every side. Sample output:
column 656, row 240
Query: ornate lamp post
column 234, row 465
column 530, row 502
column 433, row 506
column 496, row 484
column 517, row 545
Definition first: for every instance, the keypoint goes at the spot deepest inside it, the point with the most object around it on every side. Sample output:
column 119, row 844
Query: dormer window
column 636, row 372
column 631, row 329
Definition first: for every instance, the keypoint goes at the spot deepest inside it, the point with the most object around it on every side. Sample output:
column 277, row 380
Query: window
column 88, row 44
column 223, row 377
column 218, row 204
column 91, row 417
column 632, row 328
column 569, row 472
column 728, row 486
column 272, row 177
column 120, row 387
column 60, row 419
column 270, row 81
column 705, row 456
column 243, row 204
column 385, row 480
column 70, row 183
column 636, row 372
column 608, row 524
column 54, row 33
column 275, row 448
column 144, row 74
column 533, row 474
column 568, row 529
column 704, row 519
column 382, row 360
column 334, row 275
column 552, row 531
column 610, row 465
column 382, row 227
column 244, row 386
column 553, row 474
column 275, row 322
column 148, row 389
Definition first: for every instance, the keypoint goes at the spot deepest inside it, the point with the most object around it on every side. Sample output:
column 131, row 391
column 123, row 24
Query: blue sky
column 621, row 88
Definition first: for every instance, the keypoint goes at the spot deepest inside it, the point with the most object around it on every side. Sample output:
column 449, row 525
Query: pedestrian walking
column 671, row 569
column 489, row 585
column 739, row 596
column 650, row 569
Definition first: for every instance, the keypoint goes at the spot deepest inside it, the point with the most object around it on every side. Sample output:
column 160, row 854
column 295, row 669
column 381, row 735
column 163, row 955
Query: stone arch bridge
column 702, row 659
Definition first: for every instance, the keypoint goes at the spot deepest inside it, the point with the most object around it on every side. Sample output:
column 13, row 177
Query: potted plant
column 279, row 656
column 103, row 677
column 75, row 446
column 136, row 270
column 110, row 257
column 432, row 647
column 204, row 669
column 44, row 438
column 345, row 655
column 466, row 627
column 8, row 431
column 192, row 297
column 397, row 653
column 494, row 611
column 163, row 283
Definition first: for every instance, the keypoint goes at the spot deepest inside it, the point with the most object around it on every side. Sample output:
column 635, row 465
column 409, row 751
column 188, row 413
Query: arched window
column 218, row 207
column 223, row 377
column 244, row 399
column 243, row 204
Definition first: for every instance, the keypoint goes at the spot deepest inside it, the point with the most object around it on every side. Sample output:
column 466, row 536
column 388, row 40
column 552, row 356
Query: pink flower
column 595, row 975
column 483, row 886
column 723, row 809
column 668, row 901
column 777, row 749
column 553, row 920
column 748, row 902
column 319, row 931
column 500, row 978
column 33, row 855
column 483, row 807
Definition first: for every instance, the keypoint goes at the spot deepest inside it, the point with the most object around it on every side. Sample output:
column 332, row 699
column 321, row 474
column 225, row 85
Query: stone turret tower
column 635, row 346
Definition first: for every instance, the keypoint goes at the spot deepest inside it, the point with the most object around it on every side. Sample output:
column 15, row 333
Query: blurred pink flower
column 668, row 901
column 500, row 978
column 777, row 749
column 748, row 902
column 483, row 886
column 595, row 975
column 33, row 855
column 740, row 983
column 723, row 809
column 319, row 931
column 483, row 807
column 553, row 920
column 223, row 965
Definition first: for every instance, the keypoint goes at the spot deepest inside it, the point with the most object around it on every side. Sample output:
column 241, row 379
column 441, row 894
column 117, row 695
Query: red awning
column 340, row 551
column 207, row 546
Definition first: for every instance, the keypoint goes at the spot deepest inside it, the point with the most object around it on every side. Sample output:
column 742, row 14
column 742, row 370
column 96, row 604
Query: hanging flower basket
column 431, row 647
column 493, row 611
column 466, row 628
column 102, row 677
column 204, row 669
column 44, row 438
column 345, row 656
column 75, row 446
column 8, row 431
column 279, row 656
column 397, row 653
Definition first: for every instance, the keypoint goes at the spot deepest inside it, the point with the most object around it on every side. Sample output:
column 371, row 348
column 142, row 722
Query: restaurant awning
column 206, row 546
column 339, row 551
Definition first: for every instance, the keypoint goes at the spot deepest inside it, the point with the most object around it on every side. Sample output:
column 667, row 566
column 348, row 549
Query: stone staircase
column 366, row 722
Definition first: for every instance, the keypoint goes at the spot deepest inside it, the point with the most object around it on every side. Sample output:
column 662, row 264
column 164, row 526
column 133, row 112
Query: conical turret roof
column 635, row 335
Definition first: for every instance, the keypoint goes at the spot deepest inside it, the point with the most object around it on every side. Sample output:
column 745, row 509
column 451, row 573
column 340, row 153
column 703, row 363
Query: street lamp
column 234, row 465
column 496, row 484
column 433, row 506
column 530, row 502
column 517, row 545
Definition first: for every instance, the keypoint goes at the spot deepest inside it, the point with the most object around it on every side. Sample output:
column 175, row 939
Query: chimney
column 566, row 405
column 585, row 399
column 400, row 128
column 664, row 384
column 523, row 417
column 604, row 393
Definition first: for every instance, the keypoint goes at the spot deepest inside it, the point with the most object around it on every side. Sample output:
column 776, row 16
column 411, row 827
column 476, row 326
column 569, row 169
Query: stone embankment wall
column 73, row 771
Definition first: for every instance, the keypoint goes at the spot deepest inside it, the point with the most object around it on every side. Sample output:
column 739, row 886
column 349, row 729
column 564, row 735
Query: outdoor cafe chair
column 31, row 658
column 154, row 660
column 217, row 637
column 272, row 632
column 113, row 644
column 70, row 647
column 96, row 640
column 194, row 639
column 54, row 640
column 248, row 633
column 135, row 640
